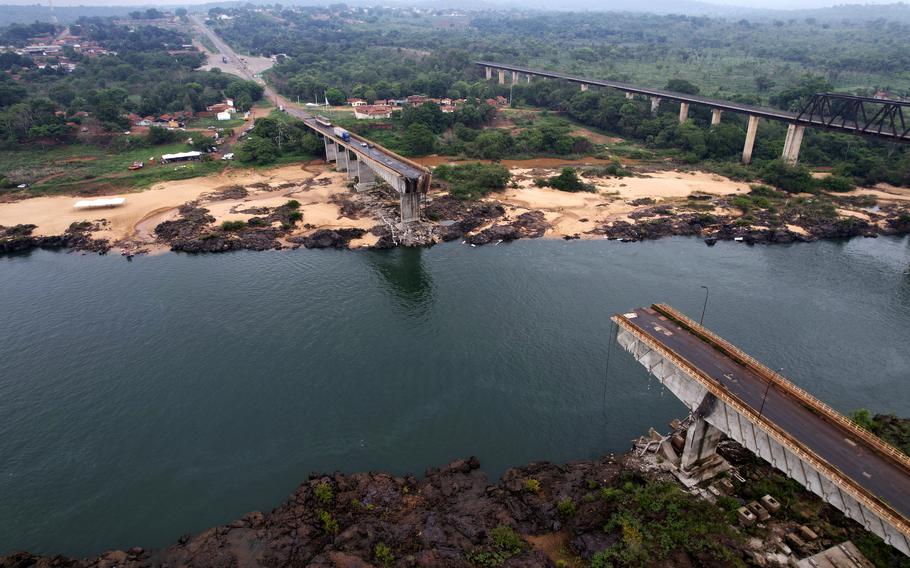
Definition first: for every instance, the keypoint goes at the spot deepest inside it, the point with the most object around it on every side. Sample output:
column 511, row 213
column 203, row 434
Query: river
column 143, row 400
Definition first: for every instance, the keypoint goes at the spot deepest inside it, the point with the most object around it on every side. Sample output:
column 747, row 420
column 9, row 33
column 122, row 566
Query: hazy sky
column 770, row 4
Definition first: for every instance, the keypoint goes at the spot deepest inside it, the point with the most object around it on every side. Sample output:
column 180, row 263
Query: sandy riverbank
column 313, row 185
column 616, row 204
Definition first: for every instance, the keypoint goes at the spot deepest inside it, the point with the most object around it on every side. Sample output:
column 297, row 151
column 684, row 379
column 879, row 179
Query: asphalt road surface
column 857, row 460
column 400, row 167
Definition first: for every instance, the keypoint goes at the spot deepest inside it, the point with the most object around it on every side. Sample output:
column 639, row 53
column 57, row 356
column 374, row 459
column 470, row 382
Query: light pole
column 705, row 307
column 764, row 398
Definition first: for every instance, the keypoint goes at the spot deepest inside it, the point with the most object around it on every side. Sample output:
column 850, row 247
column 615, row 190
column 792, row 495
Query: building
column 372, row 112
column 223, row 115
column 357, row 102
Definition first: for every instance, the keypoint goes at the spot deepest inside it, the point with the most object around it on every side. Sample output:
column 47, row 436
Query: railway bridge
column 730, row 393
column 876, row 118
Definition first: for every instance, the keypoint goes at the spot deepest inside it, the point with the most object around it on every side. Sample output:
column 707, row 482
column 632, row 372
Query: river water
column 143, row 400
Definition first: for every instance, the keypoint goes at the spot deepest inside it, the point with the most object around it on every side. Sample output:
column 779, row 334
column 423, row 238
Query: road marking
column 867, row 474
column 851, row 442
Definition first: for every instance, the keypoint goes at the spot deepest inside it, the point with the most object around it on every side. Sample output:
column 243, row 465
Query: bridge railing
column 785, row 385
column 870, row 501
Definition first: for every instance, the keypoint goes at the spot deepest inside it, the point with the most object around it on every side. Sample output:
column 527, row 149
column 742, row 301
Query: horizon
column 772, row 5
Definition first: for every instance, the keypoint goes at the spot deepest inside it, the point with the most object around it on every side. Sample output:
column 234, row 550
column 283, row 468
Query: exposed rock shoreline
column 616, row 510
column 484, row 222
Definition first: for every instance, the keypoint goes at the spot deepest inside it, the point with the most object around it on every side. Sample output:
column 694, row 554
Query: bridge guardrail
column 826, row 411
column 858, row 492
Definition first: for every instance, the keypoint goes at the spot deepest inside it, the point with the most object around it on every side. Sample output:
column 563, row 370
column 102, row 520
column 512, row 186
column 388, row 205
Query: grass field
column 84, row 168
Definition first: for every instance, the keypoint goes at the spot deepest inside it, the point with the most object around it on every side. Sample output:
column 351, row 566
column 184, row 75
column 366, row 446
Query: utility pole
column 705, row 307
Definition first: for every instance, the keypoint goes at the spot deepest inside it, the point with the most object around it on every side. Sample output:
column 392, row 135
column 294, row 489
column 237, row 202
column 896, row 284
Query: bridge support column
column 584, row 87
column 715, row 116
column 529, row 78
column 792, row 143
column 331, row 152
column 365, row 175
column 630, row 96
column 352, row 168
column 701, row 444
column 683, row 112
column 502, row 77
column 750, row 139
column 655, row 105
column 514, row 77
column 341, row 159
column 410, row 207
column 489, row 72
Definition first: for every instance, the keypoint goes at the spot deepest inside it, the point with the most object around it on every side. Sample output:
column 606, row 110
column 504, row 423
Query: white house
column 224, row 115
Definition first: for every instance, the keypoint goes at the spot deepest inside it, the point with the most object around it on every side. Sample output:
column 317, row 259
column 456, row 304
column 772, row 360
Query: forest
column 145, row 71
column 337, row 52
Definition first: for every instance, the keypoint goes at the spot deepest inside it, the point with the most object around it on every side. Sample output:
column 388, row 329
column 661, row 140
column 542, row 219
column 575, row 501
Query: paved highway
column 879, row 475
column 394, row 163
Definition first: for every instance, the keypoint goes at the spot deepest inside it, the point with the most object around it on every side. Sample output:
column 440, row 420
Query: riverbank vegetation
column 76, row 106
column 333, row 51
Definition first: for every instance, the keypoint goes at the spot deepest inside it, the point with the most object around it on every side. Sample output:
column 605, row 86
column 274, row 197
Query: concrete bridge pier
column 365, row 176
column 489, row 72
column 353, row 166
column 792, row 143
column 331, row 152
column 584, row 87
column 410, row 207
column 715, row 116
column 701, row 444
column 750, row 139
column 502, row 77
column 529, row 78
column 630, row 96
column 514, row 77
column 655, row 105
column 683, row 112
column 341, row 158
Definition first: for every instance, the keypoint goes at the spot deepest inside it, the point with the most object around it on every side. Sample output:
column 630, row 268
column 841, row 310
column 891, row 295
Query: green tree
column 257, row 150
column 418, row 139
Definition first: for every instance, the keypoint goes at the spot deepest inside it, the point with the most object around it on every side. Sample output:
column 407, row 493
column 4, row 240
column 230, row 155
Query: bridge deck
column 390, row 161
column 763, row 112
column 880, row 475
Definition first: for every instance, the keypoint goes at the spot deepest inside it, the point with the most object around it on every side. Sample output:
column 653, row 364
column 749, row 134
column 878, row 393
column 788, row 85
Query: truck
column 342, row 133
column 224, row 59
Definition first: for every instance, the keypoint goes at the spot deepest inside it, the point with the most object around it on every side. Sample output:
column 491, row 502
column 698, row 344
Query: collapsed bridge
column 732, row 394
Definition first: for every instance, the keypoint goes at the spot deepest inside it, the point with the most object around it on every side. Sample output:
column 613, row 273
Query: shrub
column 566, row 507
column 836, row 183
column 567, row 180
column 792, row 179
column 383, row 554
column 233, row 225
column 507, row 540
column 323, row 493
column 532, row 485
column 473, row 181
column 292, row 204
column 329, row 524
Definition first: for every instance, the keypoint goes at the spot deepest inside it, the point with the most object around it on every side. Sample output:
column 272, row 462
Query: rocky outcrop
column 328, row 238
column 452, row 517
column 530, row 225
column 77, row 236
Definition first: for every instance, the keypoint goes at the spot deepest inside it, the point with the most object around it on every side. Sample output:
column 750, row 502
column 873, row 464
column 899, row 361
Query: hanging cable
column 613, row 333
